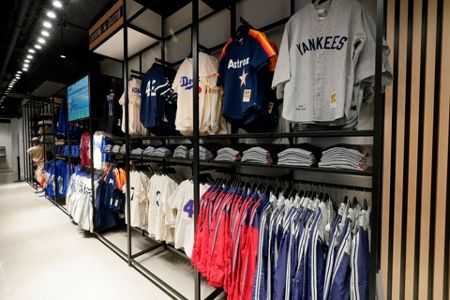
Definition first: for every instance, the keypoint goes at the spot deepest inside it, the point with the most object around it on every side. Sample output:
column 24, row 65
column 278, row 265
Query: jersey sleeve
column 365, row 65
column 222, row 69
column 261, row 48
column 283, row 68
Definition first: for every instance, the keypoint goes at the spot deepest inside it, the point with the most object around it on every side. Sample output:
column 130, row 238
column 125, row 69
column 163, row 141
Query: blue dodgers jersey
column 240, row 61
column 155, row 91
column 61, row 125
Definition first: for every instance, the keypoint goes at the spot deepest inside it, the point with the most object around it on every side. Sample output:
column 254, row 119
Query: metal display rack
column 372, row 175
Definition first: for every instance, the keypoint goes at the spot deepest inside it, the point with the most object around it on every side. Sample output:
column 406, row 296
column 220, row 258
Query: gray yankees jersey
column 321, row 58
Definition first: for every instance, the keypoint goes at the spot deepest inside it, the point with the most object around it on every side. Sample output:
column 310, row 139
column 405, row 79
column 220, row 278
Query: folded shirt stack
column 123, row 149
column 181, row 152
column 349, row 157
column 257, row 155
column 228, row 154
column 162, row 152
column 149, row 151
column 204, row 153
column 137, row 151
column 304, row 155
column 115, row 149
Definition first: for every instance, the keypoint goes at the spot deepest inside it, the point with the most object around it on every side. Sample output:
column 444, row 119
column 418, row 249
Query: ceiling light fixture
column 47, row 24
column 45, row 33
column 25, row 69
column 41, row 40
column 63, row 56
column 57, row 4
column 51, row 14
column 30, row 56
column 26, row 65
column 31, row 50
column 37, row 46
column 19, row 72
column 26, row 60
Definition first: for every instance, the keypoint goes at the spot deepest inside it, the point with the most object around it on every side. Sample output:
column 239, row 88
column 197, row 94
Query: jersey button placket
column 319, row 74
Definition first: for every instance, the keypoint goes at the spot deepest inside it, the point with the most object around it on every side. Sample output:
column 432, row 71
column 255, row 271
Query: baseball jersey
column 158, row 101
column 85, row 154
column 160, row 188
column 135, row 126
column 138, row 195
column 183, row 85
column 240, row 62
column 181, row 204
column 112, row 114
column 323, row 53
column 61, row 124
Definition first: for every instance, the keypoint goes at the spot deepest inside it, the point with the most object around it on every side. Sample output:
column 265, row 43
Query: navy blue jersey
column 240, row 61
column 61, row 124
column 158, row 105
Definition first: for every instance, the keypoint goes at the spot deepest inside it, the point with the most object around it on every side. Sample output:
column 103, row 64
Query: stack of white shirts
column 137, row 151
column 149, row 151
column 204, row 154
column 345, row 157
column 181, row 152
column 297, row 157
column 257, row 155
column 162, row 152
column 228, row 154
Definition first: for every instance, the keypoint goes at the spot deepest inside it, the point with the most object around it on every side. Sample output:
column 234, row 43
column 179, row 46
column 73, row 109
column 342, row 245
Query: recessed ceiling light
column 41, row 40
column 27, row 61
column 63, row 56
column 47, row 24
column 51, row 14
column 31, row 50
column 37, row 46
column 25, row 69
column 45, row 33
column 57, row 4
column 17, row 76
column 26, row 65
column 30, row 56
column 19, row 72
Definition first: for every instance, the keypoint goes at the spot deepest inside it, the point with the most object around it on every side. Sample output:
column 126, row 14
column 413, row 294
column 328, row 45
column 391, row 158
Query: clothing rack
column 234, row 168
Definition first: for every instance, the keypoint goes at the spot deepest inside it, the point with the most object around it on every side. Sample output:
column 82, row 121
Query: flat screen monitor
column 78, row 103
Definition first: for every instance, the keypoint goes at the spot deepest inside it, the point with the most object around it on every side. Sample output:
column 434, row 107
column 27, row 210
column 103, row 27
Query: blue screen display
column 78, row 99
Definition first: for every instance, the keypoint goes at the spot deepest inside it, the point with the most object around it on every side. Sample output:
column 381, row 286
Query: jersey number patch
column 150, row 88
column 189, row 208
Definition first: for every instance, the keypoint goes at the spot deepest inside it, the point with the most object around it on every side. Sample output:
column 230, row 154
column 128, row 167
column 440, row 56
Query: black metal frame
column 376, row 134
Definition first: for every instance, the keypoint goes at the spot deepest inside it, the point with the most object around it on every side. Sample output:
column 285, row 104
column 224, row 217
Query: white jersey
column 138, row 199
column 181, row 206
column 323, row 54
column 160, row 187
column 183, row 85
column 135, row 126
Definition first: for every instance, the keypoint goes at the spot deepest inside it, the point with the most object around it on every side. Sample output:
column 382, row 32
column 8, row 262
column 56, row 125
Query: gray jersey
column 321, row 59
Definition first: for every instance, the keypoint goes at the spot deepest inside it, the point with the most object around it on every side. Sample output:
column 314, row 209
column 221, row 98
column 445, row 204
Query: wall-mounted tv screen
column 78, row 101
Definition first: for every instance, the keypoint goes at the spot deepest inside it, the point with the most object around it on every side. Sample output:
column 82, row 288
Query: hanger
column 243, row 28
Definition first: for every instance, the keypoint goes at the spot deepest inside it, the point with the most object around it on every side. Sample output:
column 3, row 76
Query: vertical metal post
column 377, row 154
column 196, row 128
column 55, row 175
column 127, row 132
column 292, row 7
column 163, row 42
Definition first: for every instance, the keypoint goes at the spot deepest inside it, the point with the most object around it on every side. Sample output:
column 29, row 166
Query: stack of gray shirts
column 115, row 149
column 257, row 155
column 296, row 157
column 137, row 151
column 123, row 149
column 347, row 157
column 181, row 152
column 162, row 152
column 204, row 154
column 228, row 154
column 148, row 151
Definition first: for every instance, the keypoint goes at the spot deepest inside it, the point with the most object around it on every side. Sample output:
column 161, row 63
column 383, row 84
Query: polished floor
column 44, row 256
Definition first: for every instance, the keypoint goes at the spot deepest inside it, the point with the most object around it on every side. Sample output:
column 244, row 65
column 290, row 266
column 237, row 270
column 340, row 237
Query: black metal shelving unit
column 373, row 174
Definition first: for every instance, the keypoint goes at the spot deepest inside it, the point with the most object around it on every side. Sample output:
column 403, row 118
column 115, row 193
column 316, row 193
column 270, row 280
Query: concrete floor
column 44, row 256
